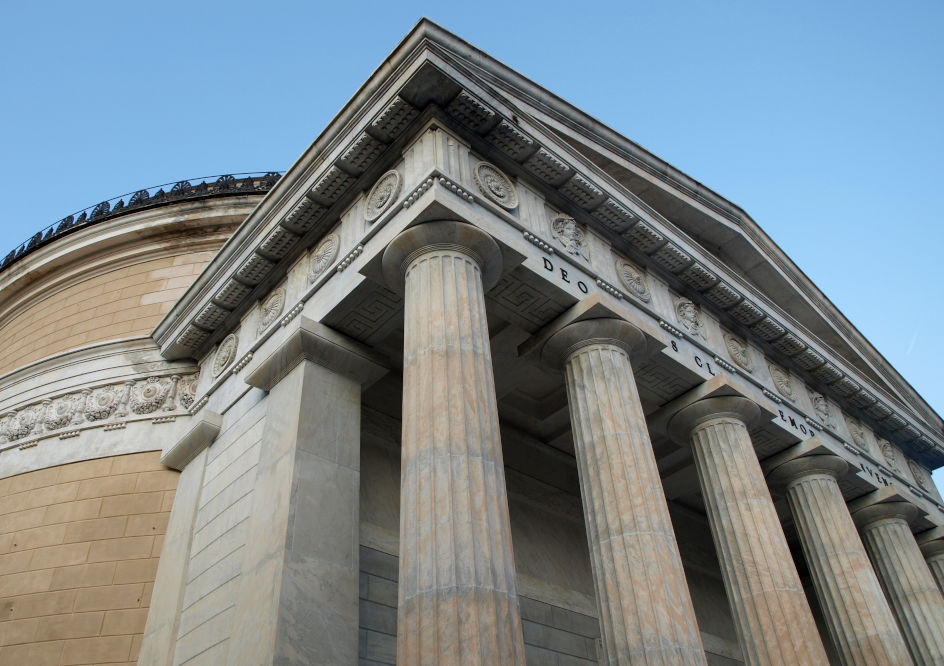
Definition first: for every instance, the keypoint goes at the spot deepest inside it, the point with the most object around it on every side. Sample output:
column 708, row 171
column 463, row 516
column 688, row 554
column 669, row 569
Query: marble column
column 646, row 612
column 933, row 552
column 857, row 615
column 458, row 599
column 909, row 586
column 771, row 613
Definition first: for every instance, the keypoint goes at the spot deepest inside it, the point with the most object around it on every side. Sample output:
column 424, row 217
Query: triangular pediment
column 702, row 245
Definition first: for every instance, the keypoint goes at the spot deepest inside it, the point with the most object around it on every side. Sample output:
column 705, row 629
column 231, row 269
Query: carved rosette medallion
column 782, row 382
column 739, row 352
column 323, row 256
column 919, row 474
column 382, row 194
column 821, row 407
column 148, row 397
column 271, row 308
column 59, row 413
column 19, row 424
column 225, row 354
column 187, row 390
column 495, row 185
column 890, row 455
column 633, row 280
column 689, row 316
column 570, row 236
column 101, row 403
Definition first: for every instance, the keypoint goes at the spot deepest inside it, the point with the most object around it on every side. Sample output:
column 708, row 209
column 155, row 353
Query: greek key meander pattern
column 159, row 398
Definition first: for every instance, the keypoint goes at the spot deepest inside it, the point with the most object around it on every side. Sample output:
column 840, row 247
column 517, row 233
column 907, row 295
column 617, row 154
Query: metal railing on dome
column 181, row 190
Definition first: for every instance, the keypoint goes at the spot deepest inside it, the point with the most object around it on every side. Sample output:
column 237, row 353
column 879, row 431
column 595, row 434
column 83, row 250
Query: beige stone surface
column 857, row 615
column 773, row 618
column 911, row 591
column 75, row 584
column 120, row 303
column 458, row 599
column 646, row 613
column 934, row 556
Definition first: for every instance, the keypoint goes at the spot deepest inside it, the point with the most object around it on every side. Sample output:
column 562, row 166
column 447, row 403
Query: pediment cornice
column 426, row 80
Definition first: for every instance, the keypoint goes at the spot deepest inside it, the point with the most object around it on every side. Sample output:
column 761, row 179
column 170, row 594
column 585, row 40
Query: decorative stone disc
column 271, row 308
column 383, row 193
column 738, row 351
column 225, row 354
column 323, row 256
column 495, row 185
column 633, row 280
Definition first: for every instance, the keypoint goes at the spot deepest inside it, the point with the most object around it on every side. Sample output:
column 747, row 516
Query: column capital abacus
column 875, row 513
column 444, row 235
column 587, row 332
column 738, row 408
column 786, row 474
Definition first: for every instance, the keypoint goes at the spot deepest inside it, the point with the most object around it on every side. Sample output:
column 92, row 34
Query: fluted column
column 458, row 600
column 646, row 613
column 859, row 620
column 909, row 587
column 771, row 612
column 933, row 552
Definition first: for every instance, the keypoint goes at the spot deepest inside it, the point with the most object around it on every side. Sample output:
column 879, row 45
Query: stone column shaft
column 934, row 556
column 909, row 587
column 860, row 622
column 458, row 601
column 771, row 613
column 646, row 613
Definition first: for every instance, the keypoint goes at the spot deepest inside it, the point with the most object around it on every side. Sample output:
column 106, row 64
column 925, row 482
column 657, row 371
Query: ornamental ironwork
column 182, row 190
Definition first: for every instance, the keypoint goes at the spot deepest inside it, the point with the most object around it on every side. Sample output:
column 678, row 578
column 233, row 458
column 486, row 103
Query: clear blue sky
column 822, row 119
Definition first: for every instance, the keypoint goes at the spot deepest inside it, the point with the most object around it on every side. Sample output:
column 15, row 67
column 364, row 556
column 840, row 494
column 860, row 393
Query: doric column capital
column 875, row 513
column 580, row 334
column 933, row 549
column 783, row 476
column 447, row 235
column 731, row 407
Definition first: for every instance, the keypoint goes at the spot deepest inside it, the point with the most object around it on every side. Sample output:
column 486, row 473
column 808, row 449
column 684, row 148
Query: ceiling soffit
column 275, row 234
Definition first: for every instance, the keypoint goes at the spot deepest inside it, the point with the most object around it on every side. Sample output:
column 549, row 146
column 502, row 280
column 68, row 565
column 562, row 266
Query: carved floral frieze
column 782, row 382
column 495, row 185
column 106, row 405
column 921, row 476
column 271, row 309
column 225, row 354
column 739, row 352
column 382, row 195
column 323, row 256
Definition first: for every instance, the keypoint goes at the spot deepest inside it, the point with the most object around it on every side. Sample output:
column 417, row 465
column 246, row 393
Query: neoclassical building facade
column 476, row 381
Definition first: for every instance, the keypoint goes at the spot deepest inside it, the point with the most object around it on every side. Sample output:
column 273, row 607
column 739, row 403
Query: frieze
column 573, row 239
column 782, row 382
column 271, row 309
column 890, row 455
column 225, row 354
column 382, row 195
column 739, row 352
column 821, row 407
column 633, row 279
column 496, row 186
column 108, row 406
column 323, row 256
column 689, row 316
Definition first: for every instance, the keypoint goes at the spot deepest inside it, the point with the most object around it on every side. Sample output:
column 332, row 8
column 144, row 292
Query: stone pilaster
column 771, row 612
column 646, row 613
column 909, row 587
column 458, row 599
column 857, row 615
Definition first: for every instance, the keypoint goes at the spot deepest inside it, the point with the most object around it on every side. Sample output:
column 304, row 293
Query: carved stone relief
column 323, row 256
column 271, row 308
column 782, row 382
column 495, row 185
column 890, row 455
column 689, row 316
column 99, row 405
column 570, row 236
column 739, row 352
column 920, row 475
column 821, row 407
column 225, row 354
column 382, row 194
column 633, row 280
column 858, row 433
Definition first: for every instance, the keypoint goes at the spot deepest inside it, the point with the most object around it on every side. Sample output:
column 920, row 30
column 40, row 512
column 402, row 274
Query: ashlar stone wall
column 79, row 546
